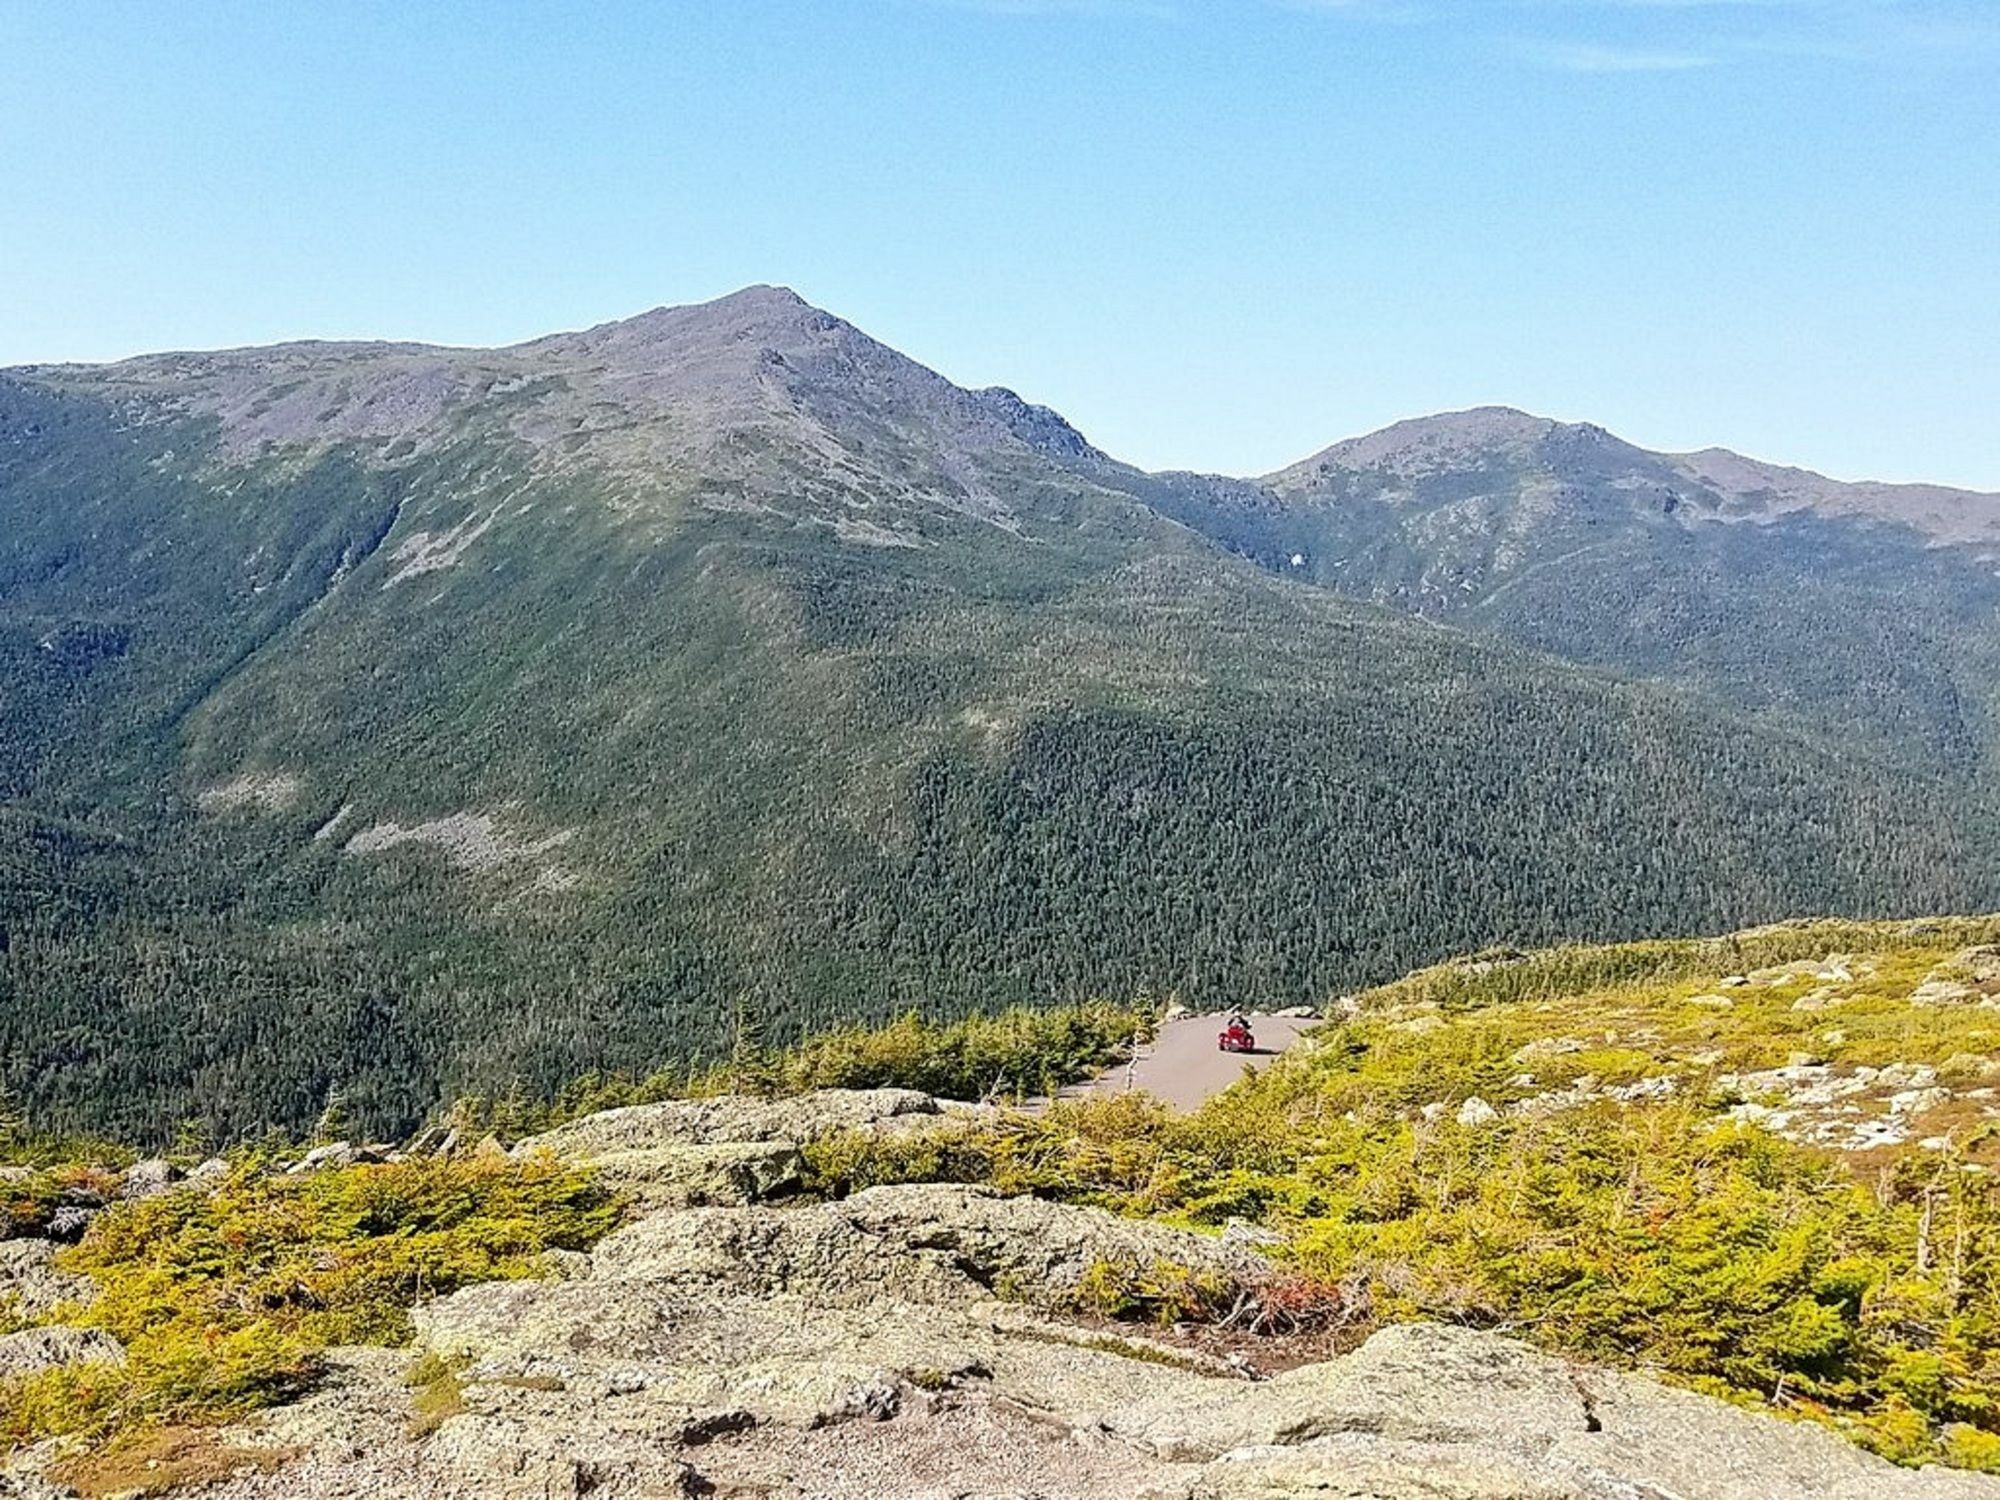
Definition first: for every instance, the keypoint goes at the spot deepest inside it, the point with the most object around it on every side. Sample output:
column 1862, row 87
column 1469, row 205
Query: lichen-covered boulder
column 29, row 1277
column 931, row 1242
column 728, row 1118
column 34, row 1350
column 495, row 1459
column 1463, row 1407
column 148, row 1179
column 727, row 1150
column 722, row 1173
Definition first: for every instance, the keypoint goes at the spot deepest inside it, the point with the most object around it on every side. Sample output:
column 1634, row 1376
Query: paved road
column 1183, row 1066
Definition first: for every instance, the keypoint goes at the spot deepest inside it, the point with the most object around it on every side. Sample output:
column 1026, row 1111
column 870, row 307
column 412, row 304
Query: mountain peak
column 762, row 294
column 754, row 304
column 765, row 349
column 755, row 300
column 1425, row 443
column 771, row 315
column 1502, row 451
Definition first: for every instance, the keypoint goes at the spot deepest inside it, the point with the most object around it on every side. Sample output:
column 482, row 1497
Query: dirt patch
column 470, row 841
column 163, row 1459
column 253, row 791
column 429, row 552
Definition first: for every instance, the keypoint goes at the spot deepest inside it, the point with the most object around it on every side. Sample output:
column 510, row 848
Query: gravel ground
column 1184, row 1067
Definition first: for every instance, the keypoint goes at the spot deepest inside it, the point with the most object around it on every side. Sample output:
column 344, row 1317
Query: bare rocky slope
column 909, row 1341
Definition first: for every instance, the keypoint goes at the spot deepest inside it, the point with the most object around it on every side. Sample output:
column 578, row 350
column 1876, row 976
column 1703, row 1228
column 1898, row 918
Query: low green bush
column 225, row 1301
column 1015, row 1054
column 1652, row 1232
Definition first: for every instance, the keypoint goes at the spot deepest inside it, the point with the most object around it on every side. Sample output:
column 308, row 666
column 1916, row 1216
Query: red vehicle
column 1236, row 1037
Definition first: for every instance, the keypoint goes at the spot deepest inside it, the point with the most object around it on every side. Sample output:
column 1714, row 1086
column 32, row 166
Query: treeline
column 1015, row 1055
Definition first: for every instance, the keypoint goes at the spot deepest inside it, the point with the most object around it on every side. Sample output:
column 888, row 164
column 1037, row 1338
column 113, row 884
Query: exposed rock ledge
column 899, row 1344
column 726, row 1150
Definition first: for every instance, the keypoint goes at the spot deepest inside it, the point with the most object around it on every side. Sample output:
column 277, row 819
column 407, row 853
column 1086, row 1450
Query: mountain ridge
column 395, row 723
column 774, row 320
column 1430, row 444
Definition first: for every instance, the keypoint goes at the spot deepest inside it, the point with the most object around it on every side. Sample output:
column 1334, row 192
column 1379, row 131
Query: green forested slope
column 389, row 722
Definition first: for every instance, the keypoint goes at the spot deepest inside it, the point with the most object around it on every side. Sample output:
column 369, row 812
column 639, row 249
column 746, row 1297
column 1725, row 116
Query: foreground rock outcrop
column 911, row 1341
column 725, row 1150
column 33, row 1350
column 31, row 1285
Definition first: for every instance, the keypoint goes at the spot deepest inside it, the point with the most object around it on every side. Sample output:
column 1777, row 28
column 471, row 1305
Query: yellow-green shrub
column 225, row 1301
column 1157, row 1291
column 1653, row 1233
column 1017, row 1053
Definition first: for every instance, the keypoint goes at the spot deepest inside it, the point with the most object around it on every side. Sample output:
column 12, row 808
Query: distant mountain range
column 1714, row 484
column 385, row 720
column 1866, row 607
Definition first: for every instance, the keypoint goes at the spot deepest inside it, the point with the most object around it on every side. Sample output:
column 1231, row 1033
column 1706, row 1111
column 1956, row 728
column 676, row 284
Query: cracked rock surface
column 726, row 1150
column 782, row 1397
column 906, row 1342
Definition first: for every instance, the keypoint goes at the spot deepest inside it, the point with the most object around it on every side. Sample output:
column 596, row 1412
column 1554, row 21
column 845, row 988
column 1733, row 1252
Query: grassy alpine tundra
column 1762, row 1165
column 1759, row 1167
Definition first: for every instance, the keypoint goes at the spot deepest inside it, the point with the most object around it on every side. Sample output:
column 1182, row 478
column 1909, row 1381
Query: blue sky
column 1214, row 233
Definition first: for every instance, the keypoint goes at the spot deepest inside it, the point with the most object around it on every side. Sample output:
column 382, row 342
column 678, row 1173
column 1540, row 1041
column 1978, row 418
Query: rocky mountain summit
column 755, row 399
column 921, row 1340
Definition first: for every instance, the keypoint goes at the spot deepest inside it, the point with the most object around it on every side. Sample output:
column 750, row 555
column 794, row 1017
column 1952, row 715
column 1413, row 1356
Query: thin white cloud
column 1658, row 36
column 1157, row 10
column 1595, row 57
